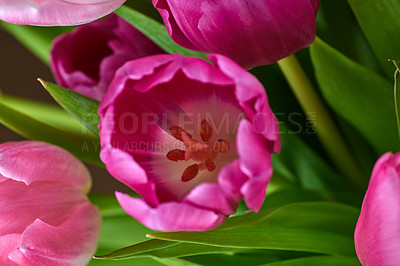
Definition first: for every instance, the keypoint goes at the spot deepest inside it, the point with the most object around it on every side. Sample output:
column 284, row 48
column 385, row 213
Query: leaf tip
column 42, row 82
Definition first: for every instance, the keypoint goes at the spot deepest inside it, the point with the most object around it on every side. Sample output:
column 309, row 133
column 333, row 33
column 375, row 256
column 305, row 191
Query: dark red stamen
column 221, row 146
column 205, row 131
column 176, row 155
column 190, row 173
column 210, row 165
column 177, row 132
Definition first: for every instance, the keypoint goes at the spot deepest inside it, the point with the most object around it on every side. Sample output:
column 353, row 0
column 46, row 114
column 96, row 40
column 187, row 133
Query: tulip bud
column 253, row 32
column 45, row 216
column 377, row 235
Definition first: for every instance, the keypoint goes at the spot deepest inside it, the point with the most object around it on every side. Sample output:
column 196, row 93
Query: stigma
column 202, row 152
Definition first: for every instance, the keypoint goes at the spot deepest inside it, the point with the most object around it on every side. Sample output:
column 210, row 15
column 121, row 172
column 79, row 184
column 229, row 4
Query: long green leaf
column 155, row 31
column 80, row 145
column 319, row 260
column 269, row 238
column 36, row 39
column 49, row 114
column 325, row 228
column 80, row 106
column 357, row 94
column 380, row 23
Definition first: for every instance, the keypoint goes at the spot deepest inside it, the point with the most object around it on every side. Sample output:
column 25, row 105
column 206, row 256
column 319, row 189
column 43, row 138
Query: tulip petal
column 49, row 201
column 211, row 196
column 8, row 243
column 71, row 243
column 32, row 161
column 170, row 216
column 250, row 145
column 231, row 179
column 55, row 12
column 251, row 94
column 378, row 228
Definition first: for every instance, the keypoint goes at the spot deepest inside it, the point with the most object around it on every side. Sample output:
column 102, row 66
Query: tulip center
column 203, row 152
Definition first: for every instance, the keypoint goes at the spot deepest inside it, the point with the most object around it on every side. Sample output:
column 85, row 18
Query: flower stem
column 326, row 129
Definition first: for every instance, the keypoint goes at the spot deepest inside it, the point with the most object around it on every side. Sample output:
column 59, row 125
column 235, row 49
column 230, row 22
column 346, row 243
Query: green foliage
column 80, row 106
column 30, row 127
column 380, row 24
column 357, row 94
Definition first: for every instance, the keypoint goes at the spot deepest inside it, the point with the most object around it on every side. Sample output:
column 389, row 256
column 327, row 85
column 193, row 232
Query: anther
column 190, row 173
column 221, row 146
column 205, row 131
column 177, row 132
column 176, row 155
column 209, row 165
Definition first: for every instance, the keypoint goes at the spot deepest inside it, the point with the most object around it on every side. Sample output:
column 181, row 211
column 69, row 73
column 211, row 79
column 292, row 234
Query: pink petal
column 8, row 243
column 251, row 94
column 315, row 4
column 21, row 205
column 79, row 65
column 170, row 216
column 255, row 162
column 71, row 243
column 55, row 12
column 252, row 33
column 231, row 179
column 32, row 161
column 211, row 196
column 378, row 228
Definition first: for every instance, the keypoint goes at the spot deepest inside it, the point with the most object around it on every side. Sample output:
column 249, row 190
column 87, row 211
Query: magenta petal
column 231, row 179
column 8, row 243
column 211, row 196
column 55, row 12
column 32, row 161
column 252, row 32
column 378, row 228
column 251, row 94
column 170, row 216
column 250, row 146
column 66, row 244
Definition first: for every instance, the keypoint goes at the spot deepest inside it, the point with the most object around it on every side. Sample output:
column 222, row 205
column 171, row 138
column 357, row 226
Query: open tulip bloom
column 240, row 132
column 191, row 138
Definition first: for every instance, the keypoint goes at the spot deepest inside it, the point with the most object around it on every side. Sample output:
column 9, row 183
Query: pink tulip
column 86, row 59
column 377, row 235
column 55, row 12
column 191, row 138
column 252, row 32
column 45, row 216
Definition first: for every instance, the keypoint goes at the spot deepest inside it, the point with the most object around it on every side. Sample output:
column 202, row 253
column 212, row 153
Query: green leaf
column 318, row 260
column 269, row 238
column 344, row 34
column 47, row 113
column 78, row 144
column 325, row 228
column 380, row 24
column 143, row 247
column 359, row 95
column 155, row 31
column 301, row 165
column 36, row 39
column 80, row 106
